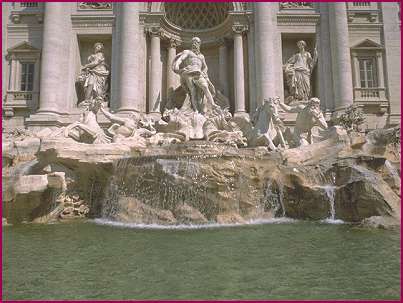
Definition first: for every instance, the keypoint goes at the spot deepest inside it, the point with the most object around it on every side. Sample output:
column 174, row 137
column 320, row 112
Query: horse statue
column 266, row 128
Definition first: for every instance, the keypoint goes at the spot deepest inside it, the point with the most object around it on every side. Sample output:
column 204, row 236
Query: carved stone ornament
column 239, row 29
column 285, row 5
column 154, row 31
column 95, row 5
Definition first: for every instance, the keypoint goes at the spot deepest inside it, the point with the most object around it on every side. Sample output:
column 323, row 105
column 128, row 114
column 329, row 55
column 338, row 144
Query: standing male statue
column 192, row 69
column 298, row 71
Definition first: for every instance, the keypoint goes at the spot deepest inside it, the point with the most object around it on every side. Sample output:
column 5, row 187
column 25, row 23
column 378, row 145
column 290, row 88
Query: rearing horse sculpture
column 265, row 127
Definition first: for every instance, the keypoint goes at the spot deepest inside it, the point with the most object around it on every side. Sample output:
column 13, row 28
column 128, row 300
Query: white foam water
column 332, row 221
column 281, row 220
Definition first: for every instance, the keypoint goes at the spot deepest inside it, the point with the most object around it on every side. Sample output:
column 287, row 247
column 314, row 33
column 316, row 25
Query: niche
column 86, row 49
column 289, row 48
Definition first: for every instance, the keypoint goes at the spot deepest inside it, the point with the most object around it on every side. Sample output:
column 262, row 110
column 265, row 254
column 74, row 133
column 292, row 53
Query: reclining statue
column 309, row 115
column 128, row 127
column 87, row 130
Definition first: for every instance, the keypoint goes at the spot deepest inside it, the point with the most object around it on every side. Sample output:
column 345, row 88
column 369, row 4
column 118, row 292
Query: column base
column 154, row 116
column 242, row 115
column 42, row 120
column 394, row 120
column 128, row 110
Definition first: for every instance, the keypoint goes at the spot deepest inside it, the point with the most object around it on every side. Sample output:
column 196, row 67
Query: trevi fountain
column 199, row 198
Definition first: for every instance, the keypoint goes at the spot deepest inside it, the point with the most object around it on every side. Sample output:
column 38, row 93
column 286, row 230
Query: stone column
column 154, row 92
column 356, row 71
column 252, row 67
column 239, row 77
column 13, row 74
column 127, row 53
column 55, row 59
column 379, row 62
column 325, row 59
column 172, row 78
column 5, row 65
column 223, row 68
column 266, row 49
column 392, row 44
column 341, row 61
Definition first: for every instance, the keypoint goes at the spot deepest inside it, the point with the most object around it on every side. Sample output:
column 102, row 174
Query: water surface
column 294, row 260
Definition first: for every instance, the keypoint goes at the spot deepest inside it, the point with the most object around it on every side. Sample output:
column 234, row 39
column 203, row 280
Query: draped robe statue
column 298, row 71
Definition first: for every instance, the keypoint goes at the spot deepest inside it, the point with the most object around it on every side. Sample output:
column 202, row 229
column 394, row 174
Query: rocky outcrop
column 347, row 176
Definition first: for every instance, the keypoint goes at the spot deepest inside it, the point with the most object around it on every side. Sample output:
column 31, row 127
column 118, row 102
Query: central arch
column 196, row 16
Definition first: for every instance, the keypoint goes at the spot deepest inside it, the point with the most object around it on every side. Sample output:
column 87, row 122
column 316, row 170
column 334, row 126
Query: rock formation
column 348, row 176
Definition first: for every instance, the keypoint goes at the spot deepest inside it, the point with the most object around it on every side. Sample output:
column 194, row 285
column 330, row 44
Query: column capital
column 154, row 31
column 173, row 42
column 239, row 29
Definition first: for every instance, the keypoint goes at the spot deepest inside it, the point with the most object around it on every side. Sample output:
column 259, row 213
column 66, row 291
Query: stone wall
column 269, row 33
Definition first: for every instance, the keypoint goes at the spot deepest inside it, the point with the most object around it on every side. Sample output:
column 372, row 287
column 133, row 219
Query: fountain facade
column 197, row 154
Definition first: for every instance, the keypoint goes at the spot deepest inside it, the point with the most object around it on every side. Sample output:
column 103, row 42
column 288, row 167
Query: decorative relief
column 154, row 31
column 174, row 43
column 239, row 28
column 95, row 5
column 295, row 5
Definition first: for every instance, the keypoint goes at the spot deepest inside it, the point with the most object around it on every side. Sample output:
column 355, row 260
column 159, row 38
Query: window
column 368, row 73
column 362, row 4
column 27, row 77
column 29, row 4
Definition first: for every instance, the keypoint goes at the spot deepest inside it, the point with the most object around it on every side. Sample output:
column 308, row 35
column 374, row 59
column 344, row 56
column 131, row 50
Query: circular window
column 194, row 16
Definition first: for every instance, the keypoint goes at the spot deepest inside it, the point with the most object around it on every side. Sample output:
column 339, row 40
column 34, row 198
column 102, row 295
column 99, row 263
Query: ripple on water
column 281, row 220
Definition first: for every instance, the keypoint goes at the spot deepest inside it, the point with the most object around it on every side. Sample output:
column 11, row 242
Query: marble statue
column 181, row 124
column 309, row 115
column 94, row 75
column 220, row 128
column 266, row 128
column 87, row 130
column 267, row 124
column 191, row 66
column 298, row 71
column 125, row 127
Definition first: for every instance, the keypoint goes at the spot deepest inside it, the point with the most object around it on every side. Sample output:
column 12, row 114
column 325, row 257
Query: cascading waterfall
column 179, row 181
column 392, row 170
column 331, row 193
column 273, row 198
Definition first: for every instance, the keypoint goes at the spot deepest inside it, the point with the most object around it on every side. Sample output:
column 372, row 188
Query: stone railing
column 21, row 95
column 362, row 6
column 21, row 99
column 17, row 6
column 29, row 4
column 369, row 94
column 21, row 9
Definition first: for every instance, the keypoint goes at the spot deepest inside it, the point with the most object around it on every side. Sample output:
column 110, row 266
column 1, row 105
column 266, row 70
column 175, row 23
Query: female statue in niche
column 94, row 75
column 298, row 71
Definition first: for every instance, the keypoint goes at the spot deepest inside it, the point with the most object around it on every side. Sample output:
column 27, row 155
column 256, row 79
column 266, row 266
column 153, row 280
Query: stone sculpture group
column 199, row 116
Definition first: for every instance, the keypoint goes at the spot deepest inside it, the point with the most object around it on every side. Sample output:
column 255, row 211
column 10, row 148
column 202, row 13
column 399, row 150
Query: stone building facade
column 245, row 46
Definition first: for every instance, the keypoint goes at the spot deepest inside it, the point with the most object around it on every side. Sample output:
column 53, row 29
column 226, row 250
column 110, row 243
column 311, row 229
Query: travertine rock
column 200, row 181
column 184, row 213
